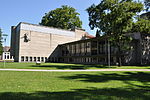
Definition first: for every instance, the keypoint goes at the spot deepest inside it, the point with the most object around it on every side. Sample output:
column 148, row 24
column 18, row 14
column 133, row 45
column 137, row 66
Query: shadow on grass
column 126, row 77
column 72, row 66
column 143, row 77
column 131, row 92
column 81, row 94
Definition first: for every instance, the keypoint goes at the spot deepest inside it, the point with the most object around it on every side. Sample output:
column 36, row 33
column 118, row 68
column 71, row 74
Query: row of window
column 86, row 60
column 6, row 56
column 93, row 48
column 33, row 59
column 102, row 60
column 74, row 49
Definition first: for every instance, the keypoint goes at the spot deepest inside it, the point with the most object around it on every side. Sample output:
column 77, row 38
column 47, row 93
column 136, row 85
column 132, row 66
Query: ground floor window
column 31, row 59
column 42, row 59
column 26, row 58
column 34, row 58
column 22, row 58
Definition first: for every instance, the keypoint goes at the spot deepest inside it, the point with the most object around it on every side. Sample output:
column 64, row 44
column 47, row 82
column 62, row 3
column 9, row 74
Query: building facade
column 100, row 51
column 6, row 54
column 31, row 43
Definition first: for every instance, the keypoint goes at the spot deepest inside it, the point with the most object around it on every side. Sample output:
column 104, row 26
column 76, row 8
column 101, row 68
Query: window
column 34, row 58
column 38, row 58
column 26, row 58
column 7, row 56
column 22, row 58
column 42, row 59
column 94, row 59
column 88, row 49
column 45, row 58
column 77, row 48
column 31, row 59
column 82, row 48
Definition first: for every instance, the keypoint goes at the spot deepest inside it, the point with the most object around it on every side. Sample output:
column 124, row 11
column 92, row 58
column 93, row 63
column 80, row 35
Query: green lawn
column 74, row 85
column 64, row 66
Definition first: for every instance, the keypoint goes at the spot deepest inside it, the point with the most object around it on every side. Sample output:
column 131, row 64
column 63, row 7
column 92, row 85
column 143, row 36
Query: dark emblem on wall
column 26, row 37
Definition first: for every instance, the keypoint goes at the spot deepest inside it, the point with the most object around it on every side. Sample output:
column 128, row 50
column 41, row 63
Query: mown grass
column 64, row 66
column 74, row 85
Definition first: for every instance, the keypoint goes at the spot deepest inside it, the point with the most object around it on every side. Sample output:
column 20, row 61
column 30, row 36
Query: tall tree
column 97, row 33
column 142, row 26
column 65, row 17
column 147, row 4
column 114, row 18
column 1, row 47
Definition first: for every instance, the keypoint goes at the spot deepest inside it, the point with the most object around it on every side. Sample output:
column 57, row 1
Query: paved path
column 88, row 70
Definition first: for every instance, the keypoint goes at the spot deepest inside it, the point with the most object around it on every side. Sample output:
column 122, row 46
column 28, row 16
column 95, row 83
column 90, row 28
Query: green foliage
column 98, row 33
column 147, row 4
column 65, row 17
column 1, row 47
column 142, row 26
column 114, row 18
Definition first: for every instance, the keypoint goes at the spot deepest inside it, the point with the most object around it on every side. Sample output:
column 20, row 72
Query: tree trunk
column 119, row 56
column 120, row 62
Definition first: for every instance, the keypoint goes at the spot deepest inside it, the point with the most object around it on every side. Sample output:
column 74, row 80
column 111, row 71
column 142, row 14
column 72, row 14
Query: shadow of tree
column 80, row 94
column 73, row 66
column 134, row 89
column 104, row 77
column 132, row 92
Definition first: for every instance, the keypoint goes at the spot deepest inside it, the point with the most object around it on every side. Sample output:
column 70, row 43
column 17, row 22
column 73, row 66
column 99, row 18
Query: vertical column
column 3, row 57
column 8, row 55
column 43, row 59
column 97, row 47
column 24, row 60
column 105, row 46
column 90, row 48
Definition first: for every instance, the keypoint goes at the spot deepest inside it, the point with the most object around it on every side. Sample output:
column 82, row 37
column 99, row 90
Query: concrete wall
column 14, row 49
column 30, row 41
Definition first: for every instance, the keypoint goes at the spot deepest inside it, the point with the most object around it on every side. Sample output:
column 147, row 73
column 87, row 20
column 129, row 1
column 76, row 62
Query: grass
column 64, row 66
column 74, row 85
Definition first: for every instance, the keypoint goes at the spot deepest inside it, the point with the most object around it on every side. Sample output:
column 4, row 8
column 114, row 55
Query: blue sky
column 31, row 11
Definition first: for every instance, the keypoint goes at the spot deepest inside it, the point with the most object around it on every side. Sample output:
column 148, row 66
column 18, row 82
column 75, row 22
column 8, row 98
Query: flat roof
column 45, row 29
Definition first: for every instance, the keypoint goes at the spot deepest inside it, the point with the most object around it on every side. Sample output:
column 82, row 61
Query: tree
column 1, row 47
column 97, row 33
column 147, row 4
column 114, row 18
column 65, row 17
column 142, row 26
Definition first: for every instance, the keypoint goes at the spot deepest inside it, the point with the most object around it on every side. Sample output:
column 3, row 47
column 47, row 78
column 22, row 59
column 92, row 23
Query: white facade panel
column 46, row 30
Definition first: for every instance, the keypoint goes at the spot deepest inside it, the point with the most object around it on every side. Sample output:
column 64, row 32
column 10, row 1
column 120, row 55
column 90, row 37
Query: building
column 31, row 43
column 6, row 54
column 99, row 51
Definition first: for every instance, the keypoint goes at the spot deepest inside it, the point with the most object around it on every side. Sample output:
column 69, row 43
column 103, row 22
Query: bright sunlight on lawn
column 64, row 66
column 74, row 85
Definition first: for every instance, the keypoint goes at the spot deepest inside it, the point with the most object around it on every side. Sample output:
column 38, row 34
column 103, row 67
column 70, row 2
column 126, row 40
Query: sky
column 31, row 11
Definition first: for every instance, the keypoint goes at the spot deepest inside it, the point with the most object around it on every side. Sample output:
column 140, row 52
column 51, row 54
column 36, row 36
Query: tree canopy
column 147, row 4
column 1, row 47
column 65, row 17
column 142, row 26
column 114, row 18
